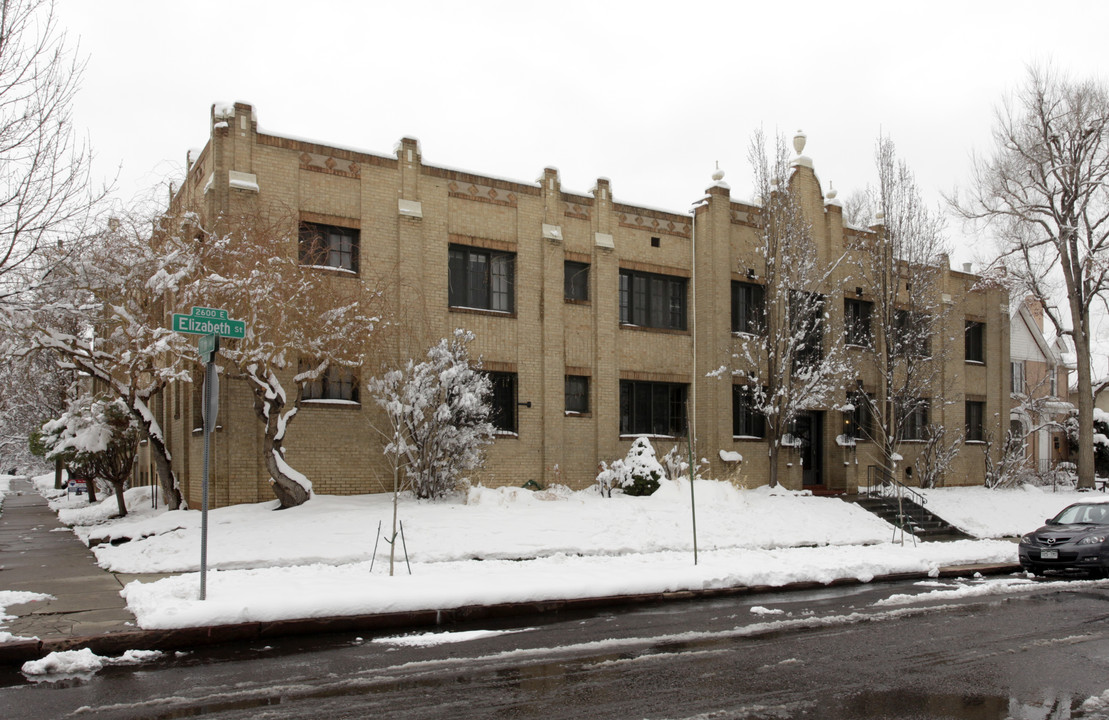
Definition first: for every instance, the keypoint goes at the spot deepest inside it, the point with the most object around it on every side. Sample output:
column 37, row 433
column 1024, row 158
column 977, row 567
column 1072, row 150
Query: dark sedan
column 1075, row 539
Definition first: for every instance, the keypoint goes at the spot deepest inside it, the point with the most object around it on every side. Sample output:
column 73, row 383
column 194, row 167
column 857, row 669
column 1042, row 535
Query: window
column 650, row 300
column 577, row 281
column 975, row 342
column 912, row 334
column 1018, row 377
column 747, row 307
column 652, row 408
column 856, row 322
column 858, row 423
column 338, row 383
column 482, row 279
column 807, row 323
column 329, row 246
column 975, row 415
column 914, row 418
column 502, row 399
column 577, row 394
column 1054, row 375
column 747, row 421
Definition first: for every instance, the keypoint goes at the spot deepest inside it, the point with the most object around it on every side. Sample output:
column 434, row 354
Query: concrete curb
column 16, row 653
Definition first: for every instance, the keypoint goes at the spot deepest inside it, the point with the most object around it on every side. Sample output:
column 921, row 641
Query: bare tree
column 309, row 323
column 1044, row 191
column 789, row 363
column 45, row 196
column 33, row 390
column 900, row 271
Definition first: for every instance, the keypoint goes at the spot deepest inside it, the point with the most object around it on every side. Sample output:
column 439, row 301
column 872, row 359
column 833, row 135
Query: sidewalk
column 39, row 554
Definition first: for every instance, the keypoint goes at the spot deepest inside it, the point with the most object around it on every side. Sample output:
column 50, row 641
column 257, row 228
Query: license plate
column 1049, row 554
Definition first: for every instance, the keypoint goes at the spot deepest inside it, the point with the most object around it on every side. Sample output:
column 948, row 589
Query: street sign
column 207, row 346
column 205, row 321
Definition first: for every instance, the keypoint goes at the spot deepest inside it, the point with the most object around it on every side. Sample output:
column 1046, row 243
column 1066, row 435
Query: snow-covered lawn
column 987, row 513
column 514, row 545
column 496, row 545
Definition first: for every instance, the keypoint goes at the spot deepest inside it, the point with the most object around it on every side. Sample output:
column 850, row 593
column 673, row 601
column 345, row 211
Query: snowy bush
column 438, row 413
column 637, row 474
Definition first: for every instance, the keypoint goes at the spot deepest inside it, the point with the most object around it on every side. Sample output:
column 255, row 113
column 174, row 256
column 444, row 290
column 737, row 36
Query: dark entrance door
column 809, row 426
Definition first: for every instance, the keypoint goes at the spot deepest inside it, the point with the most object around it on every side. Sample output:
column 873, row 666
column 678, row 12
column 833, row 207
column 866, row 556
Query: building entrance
column 809, row 428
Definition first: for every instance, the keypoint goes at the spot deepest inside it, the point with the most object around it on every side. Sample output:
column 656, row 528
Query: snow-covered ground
column 509, row 544
column 986, row 513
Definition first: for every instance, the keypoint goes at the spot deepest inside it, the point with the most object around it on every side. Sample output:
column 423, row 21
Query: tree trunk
column 120, row 502
column 90, row 488
column 288, row 491
column 58, row 483
column 774, row 447
column 1085, row 402
column 167, row 479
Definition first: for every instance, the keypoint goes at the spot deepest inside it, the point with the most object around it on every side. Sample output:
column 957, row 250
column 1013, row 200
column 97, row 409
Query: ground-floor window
column 652, row 408
column 577, row 394
column 975, row 419
column 747, row 421
column 502, row 399
column 338, row 383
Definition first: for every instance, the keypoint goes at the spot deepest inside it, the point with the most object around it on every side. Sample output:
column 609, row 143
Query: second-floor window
column 747, row 307
column 481, row 279
column 856, row 322
column 912, row 334
column 329, row 246
column 975, row 342
column 576, row 281
column 651, row 300
column 807, row 325
column 1018, row 377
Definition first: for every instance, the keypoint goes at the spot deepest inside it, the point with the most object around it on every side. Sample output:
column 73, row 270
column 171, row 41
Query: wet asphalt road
column 1031, row 652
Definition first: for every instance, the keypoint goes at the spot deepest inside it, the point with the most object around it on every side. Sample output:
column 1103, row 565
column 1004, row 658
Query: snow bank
column 78, row 663
column 267, row 594
column 987, row 513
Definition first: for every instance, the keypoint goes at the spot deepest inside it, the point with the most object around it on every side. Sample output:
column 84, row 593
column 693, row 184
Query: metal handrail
column 880, row 482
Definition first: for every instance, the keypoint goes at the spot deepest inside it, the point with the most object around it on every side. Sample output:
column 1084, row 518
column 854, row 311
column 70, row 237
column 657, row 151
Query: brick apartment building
column 598, row 320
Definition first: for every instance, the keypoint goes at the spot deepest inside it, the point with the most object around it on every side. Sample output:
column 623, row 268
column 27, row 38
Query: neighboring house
column 1039, row 388
column 599, row 321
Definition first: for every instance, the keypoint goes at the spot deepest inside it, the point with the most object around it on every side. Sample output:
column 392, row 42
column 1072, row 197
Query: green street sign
column 207, row 346
column 205, row 321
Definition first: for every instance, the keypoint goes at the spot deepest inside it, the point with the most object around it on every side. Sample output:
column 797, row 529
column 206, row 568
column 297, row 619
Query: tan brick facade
column 409, row 214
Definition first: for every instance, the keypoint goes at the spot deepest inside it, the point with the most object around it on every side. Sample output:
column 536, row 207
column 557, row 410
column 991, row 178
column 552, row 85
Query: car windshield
column 1087, row 514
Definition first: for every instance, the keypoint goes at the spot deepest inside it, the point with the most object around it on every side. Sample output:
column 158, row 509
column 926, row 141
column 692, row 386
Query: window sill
column 572, row 301
column 576, row 414
column 747, row 438
column 506, row 435
column 650, row 436
column 975, row 442
column 200, row 430
column 854, row 346
column 334, row 269
column 646, row 328
column 480, row 311
column 326, row 403
column 981, row 363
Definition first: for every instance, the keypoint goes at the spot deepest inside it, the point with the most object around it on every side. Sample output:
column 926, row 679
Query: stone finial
column 799, row 142
column 718, row 175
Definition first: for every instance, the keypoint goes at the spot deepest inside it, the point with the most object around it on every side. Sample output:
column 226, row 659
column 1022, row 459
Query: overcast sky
column 649, row 94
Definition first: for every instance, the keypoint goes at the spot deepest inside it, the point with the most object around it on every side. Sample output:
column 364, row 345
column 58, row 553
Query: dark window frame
column 577, row 395
column 576, row 281
column 481, row 279
column 653, row 300
column 857, row 325
column 329, row 246
column 915, row 421
column 807, row 317
column 975, row 416
column 974, row 342
column 911, row 323
column 503, row 393
column 747, row 421
column 748, row 308
column 858, row 424
column 653, row 408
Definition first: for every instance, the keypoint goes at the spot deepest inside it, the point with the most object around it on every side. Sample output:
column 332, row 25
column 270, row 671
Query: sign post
column 210, row 324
